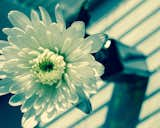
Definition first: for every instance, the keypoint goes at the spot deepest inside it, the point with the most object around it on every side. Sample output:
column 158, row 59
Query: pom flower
column 47, row 66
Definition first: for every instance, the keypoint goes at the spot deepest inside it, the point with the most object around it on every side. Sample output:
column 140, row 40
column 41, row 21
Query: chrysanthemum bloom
column 47, row 66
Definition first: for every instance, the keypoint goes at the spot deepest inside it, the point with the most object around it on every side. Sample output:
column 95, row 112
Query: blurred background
column 130, row 94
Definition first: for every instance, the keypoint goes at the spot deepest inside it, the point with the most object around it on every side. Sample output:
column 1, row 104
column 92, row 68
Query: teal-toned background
column 122, row 104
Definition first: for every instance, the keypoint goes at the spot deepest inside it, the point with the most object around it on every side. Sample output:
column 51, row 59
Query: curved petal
column 18, row 19
column 3, row 44
column 79, row 28
column 40, row 35
column 17, row 99
column 59, row 16
column 44, row 117
column 84, row 58
column 86, row 80
column 50, row 106
column 83, row 71
column 79, row 56
column 13, row 31
column 51, row 100
column 23, row 41
column 98, row 68
column 52, row 114
column 76, row 30
column 40, row 101
column 4, row 90
column 54, row 36
column 96, row 41
column 84, row 104
column 74, row 98
column 30, row 90
column 15, row 88
column 61, row 100
column 10, row 52
column 45, row 16
column 2, row 62
column 3, row 75
column 68, row 93
column 34, row 17
column 4, row 86
column 90, row 88
column 29, row 122
column 66, row 45
column 13, row 66
column 29, row 113
column 75, row 55
column 70, row 45
column 28, row 104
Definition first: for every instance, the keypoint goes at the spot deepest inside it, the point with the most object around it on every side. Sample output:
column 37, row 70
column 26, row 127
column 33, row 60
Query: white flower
column 46, row 66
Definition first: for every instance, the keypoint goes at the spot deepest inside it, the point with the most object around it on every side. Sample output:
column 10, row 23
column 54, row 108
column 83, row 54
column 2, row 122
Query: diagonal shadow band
column 127, row 68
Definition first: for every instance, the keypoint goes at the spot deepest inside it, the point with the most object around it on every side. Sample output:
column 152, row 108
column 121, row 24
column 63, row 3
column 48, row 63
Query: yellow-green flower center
column 48, row 67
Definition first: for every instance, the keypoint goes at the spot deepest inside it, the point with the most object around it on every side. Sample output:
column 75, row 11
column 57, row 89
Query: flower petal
column 41, row 35
column 28, row 104
column 66, row 45
column 18, row 19
column 34, row 17
column 30, row 113
column 74, row 98
column 68, row 93
column 1, row 66
column 2, row 62
column 79, row 28
column 61, row 100
column 3, row 75
column 45, row 16
column 84, row 58
column 13, row 66
column 4, row 90
column 96, row 41
column 45, row 118
column 70, row 45
column 15, row 88
column 10, row 52
column 84, row 104
column 30, row 90
column 23, row 41
column 17, row 99
column 59, row 15
column 29, row 122
column 84, row 71
column 39, row 101
column 98, row 68
column 13, row 31
column 51, row 114
column 90, row 88
column 75, row 55
column 3, row 44
column 85, row 79
column 54, row 36
column 76, row 30
column 4, row 86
